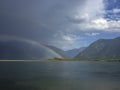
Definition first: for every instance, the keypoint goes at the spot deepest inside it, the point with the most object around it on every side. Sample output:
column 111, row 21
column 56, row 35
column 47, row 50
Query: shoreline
column 64, row 60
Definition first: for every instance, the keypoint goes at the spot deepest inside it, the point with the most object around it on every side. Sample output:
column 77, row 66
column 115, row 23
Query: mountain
column 66, row 54
column 102, row 49
column 20, row 50
column 73, row 52
column 58, row 50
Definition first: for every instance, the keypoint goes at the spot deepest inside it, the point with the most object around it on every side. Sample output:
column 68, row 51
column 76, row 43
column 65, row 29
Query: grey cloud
column 35, row 19
column 75, row 20
column 41, row 20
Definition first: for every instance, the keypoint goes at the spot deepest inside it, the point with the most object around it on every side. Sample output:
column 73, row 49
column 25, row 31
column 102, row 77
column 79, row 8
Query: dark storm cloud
column 39, row 20
column 63, row 23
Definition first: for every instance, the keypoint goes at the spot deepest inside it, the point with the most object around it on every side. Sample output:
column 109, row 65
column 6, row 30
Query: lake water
column 59, row 76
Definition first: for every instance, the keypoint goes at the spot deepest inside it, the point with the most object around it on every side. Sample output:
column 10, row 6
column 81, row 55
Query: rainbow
column 29, row 40
column 33, row 42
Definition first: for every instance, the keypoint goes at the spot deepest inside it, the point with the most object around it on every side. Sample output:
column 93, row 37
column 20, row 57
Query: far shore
column 60, row 60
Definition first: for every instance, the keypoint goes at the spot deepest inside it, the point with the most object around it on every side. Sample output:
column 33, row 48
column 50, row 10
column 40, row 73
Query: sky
column 66, row 24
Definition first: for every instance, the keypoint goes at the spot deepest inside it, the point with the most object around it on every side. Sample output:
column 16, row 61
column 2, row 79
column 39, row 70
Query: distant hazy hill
column 58, row 50
column 102, row 49
column 67, row 54
column 16, row 50
column 73, row 52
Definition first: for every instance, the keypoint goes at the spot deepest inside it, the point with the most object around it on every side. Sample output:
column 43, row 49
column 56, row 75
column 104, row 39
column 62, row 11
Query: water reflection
column 59, row 76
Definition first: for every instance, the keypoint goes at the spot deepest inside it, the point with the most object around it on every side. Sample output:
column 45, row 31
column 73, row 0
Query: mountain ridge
column 102, row 49
column 73, row 52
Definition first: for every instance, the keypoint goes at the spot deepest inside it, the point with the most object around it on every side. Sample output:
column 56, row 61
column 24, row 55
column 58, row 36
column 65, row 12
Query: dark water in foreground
column 59, row 76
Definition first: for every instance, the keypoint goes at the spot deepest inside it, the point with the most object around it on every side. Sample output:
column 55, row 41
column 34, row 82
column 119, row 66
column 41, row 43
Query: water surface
column 59, row 76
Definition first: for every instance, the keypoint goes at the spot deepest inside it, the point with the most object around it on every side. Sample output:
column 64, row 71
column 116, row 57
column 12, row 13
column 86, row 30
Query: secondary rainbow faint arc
column 32, row 42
